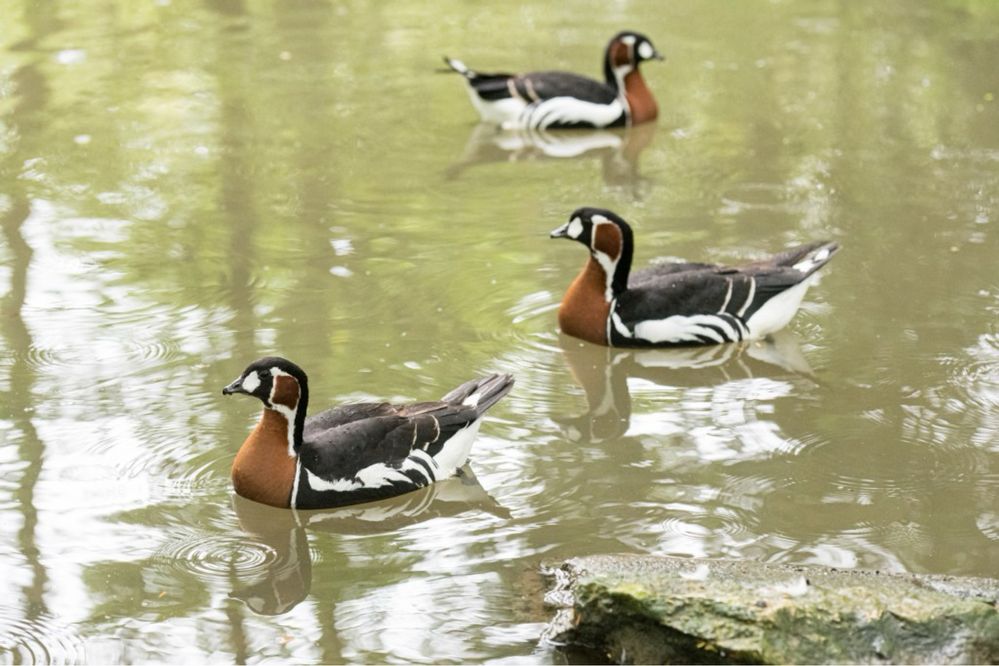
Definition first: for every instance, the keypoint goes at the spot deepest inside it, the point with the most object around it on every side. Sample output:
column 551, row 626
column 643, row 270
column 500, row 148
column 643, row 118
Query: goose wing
column 539, row 86
column 345, row 451
column 535, row 86
column 387, row 436
column 688, row 289
column 343, row 414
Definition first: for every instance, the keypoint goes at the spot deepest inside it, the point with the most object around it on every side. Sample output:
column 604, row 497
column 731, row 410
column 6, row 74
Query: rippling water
column 184, row 189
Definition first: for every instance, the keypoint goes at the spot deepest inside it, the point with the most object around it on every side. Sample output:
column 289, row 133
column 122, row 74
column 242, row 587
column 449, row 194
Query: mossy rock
column 644, row 609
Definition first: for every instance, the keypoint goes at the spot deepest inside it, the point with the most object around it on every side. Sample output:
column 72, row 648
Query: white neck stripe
column 288, row 413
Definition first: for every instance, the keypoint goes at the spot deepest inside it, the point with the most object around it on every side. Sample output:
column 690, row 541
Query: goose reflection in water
column 284, row 580
column 618, row 150
column 603, row 372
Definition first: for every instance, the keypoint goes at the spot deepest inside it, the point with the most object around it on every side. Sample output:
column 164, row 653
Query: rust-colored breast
column 263, row 471
column 640, row 100
column 584, row 309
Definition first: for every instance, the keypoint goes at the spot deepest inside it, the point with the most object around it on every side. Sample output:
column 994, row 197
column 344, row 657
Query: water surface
column 186, row 187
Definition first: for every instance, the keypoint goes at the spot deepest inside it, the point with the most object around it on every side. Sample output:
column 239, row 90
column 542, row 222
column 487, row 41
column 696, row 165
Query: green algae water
column 187, row 186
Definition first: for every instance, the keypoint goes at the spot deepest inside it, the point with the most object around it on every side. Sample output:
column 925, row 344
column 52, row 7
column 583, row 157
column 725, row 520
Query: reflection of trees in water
column 31, row 94
column 246, row 260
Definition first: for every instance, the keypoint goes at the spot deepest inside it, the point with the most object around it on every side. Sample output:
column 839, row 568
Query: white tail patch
column 455, row 451
column 472, row 400
column 504, row 112
column 778, row 311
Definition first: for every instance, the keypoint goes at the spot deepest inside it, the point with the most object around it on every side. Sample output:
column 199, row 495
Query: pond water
column 185, row 187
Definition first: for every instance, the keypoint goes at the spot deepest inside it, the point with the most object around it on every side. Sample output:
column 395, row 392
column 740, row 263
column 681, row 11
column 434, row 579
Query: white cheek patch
column 251, row 382
column 575, row 228
column 645, row 50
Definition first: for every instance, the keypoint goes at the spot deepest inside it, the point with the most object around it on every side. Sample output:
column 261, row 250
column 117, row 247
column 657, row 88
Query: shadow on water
column 618, row 150
column 603, row 372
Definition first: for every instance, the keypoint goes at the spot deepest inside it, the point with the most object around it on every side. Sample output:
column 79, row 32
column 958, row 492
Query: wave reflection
column 272, row 569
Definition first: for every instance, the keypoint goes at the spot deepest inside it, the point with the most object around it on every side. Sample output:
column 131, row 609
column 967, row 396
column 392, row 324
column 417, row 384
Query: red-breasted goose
column 670, row 304
column 356, row 452
column 551, row 99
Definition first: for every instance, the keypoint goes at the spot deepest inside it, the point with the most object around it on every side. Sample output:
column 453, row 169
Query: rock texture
column 644, row 609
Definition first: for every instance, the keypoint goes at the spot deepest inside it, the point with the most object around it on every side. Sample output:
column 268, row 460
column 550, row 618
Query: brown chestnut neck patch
column 285, row 392
column 607, row 239
column 619, row 54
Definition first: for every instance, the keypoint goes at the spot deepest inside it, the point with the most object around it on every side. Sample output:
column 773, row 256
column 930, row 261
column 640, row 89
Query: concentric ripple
column 40, row 640
column 975, row 374
column 41, row 357
column 216, row 556
column 152, row 351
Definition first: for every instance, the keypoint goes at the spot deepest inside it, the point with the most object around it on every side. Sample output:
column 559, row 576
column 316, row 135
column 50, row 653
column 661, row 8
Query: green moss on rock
column 641, row 609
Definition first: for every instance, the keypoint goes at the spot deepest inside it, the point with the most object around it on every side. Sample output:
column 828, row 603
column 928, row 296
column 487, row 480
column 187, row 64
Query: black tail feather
column 797, row 254
column 490, row 390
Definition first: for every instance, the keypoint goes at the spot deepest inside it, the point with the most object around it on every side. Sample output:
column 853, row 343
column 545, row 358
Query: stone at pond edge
column 644, row 609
